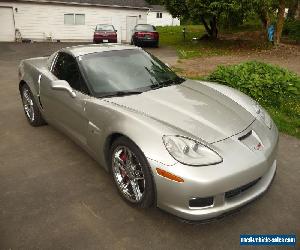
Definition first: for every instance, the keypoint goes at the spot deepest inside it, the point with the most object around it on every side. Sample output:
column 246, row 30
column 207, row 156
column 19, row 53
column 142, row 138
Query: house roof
column 157, row 8
column 135, row 4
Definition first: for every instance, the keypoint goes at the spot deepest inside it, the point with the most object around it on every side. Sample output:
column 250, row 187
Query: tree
column 280, row 21
column 265, row 9
column 269, row 10
column 208, row 11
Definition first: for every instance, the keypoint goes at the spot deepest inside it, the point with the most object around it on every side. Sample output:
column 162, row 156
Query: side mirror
column 116, row 30
column 63, row 85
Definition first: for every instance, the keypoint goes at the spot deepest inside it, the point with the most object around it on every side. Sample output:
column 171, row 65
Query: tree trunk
column 207, row 28
column 211, row 29
column 214, row 28
column 265, row 19
column 280, row 21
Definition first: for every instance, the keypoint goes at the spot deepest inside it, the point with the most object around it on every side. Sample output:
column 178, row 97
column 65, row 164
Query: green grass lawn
column 187, row 48
column 172, row 35
column 192, row 46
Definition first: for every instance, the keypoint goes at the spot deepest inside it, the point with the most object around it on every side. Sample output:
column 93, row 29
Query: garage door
column 131, row 22
column 7, row 30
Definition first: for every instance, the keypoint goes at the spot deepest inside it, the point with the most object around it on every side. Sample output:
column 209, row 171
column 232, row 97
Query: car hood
column 193, row 108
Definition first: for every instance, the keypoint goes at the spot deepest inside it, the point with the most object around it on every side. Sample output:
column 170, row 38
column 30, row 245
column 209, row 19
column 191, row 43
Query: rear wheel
column 31, row 109
column 131, row 173
column 135, row 43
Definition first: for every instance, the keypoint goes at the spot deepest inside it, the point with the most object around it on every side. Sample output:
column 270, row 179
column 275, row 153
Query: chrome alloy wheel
column 28, row 104
column 128, row 174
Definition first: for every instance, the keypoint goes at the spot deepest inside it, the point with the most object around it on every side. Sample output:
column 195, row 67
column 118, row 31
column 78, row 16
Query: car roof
column 144, row 24
column 81, row 50
column 104, row 24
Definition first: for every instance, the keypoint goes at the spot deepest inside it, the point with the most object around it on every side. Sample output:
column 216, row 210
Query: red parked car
column 145, row 34
column 105, row 33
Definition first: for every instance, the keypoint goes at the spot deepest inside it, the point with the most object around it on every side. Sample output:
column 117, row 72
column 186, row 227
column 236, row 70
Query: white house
column 67, row 20
column 159, row 16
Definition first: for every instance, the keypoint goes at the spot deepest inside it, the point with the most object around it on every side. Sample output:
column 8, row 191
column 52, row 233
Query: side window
column 66, row 68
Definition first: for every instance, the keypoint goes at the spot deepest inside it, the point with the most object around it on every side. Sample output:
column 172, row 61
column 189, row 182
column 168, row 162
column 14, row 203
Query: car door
column 63, row 110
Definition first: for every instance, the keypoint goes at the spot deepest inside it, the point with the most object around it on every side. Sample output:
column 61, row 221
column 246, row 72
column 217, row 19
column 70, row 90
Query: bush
column 291, row 29
column 277, row 89
column 265, row 83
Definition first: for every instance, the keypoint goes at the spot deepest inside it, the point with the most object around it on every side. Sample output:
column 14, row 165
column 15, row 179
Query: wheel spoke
column 124, row 186
column 28, row 105
column 136, row 190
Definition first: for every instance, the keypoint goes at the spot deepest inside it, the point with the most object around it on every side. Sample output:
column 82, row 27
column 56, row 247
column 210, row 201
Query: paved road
column 53, row 195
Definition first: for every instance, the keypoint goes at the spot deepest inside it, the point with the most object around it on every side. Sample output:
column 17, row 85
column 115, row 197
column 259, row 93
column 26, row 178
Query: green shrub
column 291, row 29
column 265, row 83
column 277, row 89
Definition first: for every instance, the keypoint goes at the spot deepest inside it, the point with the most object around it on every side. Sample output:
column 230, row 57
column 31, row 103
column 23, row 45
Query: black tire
column 37, row 119
column 135, row 43
column 148, row 197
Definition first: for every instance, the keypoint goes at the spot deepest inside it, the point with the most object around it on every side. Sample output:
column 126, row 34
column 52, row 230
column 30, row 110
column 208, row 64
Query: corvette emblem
column 259, row 146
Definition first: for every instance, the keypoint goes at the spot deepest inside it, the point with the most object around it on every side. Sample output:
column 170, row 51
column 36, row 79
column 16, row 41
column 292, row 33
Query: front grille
column 237, row 191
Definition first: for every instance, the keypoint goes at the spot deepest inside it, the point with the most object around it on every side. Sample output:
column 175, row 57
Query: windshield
column 145, row 27
column 105, row 27
column 128, row 70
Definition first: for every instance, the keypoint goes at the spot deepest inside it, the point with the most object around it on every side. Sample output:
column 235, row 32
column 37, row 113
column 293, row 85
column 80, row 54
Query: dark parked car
column 145, row 34
column 105, row 33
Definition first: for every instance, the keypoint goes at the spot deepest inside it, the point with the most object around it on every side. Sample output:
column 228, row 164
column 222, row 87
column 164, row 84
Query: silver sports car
column 195, row 149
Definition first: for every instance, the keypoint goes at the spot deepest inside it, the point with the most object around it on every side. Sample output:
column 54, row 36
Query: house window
column 69, row 19
column 74, row 19
column 158, row 15
column 80, row 19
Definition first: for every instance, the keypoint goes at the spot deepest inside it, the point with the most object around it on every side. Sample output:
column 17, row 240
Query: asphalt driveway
column 54, row 196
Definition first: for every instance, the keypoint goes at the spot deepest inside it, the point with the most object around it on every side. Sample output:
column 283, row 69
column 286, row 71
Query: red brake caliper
column 123, row 157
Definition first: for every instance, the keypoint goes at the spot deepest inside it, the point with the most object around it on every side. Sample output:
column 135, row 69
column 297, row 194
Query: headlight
column 190, row 152
column 263, row 115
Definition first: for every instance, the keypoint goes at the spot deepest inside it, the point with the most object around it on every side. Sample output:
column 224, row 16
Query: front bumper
column 240, row 167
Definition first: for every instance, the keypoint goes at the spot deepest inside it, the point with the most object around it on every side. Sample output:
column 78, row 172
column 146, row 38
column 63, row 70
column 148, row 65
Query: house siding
column 166, row 20
column 41, row 21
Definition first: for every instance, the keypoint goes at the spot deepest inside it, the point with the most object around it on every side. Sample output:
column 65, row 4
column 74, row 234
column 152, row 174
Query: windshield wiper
column 120, row 93
column 167, row 83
